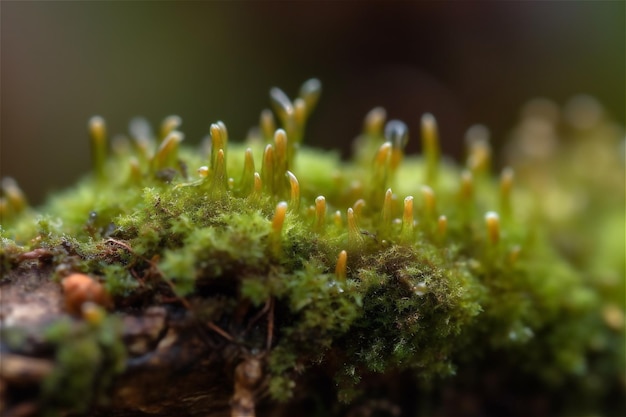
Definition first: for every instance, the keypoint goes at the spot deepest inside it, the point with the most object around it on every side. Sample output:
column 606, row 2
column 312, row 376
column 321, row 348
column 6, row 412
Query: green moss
column 422, row 293
column 85, row 367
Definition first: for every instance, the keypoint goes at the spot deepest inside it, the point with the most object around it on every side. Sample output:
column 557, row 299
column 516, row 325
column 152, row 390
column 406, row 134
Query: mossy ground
column 431, row 286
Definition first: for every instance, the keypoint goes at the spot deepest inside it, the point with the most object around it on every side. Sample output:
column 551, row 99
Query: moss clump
column 89, row 355
column 387, row 264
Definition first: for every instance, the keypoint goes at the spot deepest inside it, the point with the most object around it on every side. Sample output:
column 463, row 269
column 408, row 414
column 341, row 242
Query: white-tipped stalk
column 374, row 122
column 430, row 209
column 120, row 146
column 219, row 180
column 246, row 184
column 281, row 162
column 140, row 129
column 279, row 217
column 355, row 191
column 387, row 213
column 396, row 133
column 492, row 220
column 299, row 117
column 338, row 220
column 514, row 254
column 97, row 134
column 341, row 270
column 406, row 233
column 478, row 149
column 14, row 197
column 277, row 226
column 219, row 140
column 135, row 170
column 294, row 191
column 506, row 185
column 310, row 92
column 430, row 146
column 167, row 153
column 281, row 104
column 466, row 191
column 381, row 172
column 442, row 227
column 258, row 186
column 144, row 148
column 358, row 207
column 268, row 169
column 355, row 238
column 267, row 123
column 5, row 211
column 320, row 214
column 382, row 158
column 168, row 125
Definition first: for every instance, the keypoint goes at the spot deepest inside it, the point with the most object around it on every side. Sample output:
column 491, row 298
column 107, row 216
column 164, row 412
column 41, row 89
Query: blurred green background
column 474, row 62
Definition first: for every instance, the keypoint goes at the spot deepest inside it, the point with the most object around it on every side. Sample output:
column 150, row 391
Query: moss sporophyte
column 271, row 267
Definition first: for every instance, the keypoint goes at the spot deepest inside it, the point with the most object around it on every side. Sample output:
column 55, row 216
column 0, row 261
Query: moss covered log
column 272, row 278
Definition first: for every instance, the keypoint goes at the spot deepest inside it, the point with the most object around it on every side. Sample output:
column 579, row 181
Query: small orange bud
column 81, row 288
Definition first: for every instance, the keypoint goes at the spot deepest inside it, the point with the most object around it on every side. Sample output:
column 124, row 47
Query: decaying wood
column 179, row 365
column 176, row 365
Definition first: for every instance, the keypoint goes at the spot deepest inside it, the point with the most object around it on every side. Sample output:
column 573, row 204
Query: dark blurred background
column 466, row 62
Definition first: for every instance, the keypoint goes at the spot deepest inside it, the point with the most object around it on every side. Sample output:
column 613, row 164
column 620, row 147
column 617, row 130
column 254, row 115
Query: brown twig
column 258, row 315
column 220, row 331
